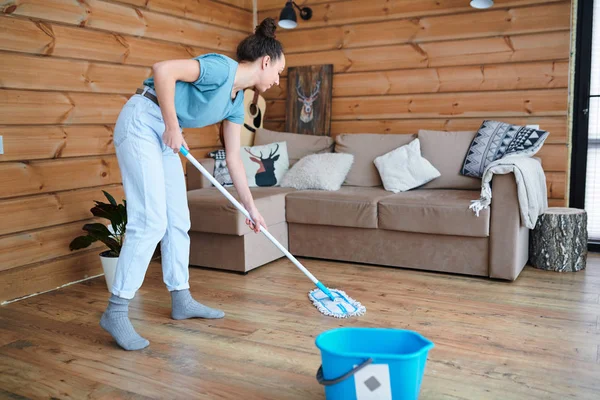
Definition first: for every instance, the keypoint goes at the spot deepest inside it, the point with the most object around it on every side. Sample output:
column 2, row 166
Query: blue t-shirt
column 208, row 100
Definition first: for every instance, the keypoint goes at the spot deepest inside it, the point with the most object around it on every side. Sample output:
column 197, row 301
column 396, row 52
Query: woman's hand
column 258, row 219
column 173, row 138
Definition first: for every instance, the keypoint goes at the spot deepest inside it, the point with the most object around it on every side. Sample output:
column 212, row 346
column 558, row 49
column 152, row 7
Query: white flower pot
column 109, row 265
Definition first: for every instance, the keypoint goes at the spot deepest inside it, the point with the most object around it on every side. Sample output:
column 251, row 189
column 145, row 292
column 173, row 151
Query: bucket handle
column 329, row 382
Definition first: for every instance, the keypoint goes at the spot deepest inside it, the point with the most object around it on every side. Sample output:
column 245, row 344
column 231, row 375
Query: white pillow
column 265, row 165
column 326, row 171
column 404, row 168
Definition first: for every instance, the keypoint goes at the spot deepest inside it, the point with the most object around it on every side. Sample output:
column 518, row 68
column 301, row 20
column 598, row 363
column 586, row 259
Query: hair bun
column 267, row 28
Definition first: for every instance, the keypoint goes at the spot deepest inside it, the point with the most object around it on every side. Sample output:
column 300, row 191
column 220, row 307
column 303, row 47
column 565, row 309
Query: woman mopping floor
column 183, row 94
column 191, row 93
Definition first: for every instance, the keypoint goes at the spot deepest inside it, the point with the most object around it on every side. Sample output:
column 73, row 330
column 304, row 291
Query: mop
column 331, row 302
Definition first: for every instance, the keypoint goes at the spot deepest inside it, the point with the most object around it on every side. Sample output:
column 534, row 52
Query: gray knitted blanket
column 531, row 187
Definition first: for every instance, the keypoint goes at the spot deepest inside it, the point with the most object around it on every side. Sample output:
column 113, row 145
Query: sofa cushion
column 349, row 206
column 366, row 147
column 446, row 151
column 443, row 212
column 298, row 145
column 212, row 212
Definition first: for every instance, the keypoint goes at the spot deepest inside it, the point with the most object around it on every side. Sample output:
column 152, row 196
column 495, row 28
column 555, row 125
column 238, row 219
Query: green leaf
column 123, row 215
column 107, row 211
column 97, row 229
column 111, row 213
column 100, row 232
column 81, row 242
column 110, row 198
column 114, row 246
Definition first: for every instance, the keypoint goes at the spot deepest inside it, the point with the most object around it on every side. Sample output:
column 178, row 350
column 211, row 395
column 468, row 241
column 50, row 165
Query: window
column 585, row 165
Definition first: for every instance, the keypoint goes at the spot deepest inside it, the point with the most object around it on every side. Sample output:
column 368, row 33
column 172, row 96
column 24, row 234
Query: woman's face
column 269, row 73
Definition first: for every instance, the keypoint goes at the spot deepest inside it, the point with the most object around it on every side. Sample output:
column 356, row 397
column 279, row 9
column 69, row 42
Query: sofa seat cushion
column 350, row 206
column 443, row 212
column 212, row 212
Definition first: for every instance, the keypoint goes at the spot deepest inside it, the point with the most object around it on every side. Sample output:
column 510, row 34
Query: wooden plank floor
column 536, row 338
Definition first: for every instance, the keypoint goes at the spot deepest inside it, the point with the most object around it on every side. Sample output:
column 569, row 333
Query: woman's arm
column 166, row 74
column 231, row 134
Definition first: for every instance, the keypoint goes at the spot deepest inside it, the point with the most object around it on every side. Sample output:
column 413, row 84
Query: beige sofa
column 428, row 228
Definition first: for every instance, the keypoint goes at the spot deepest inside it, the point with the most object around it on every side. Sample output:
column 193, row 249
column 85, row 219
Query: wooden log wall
column 66, row 69
column 401, row 66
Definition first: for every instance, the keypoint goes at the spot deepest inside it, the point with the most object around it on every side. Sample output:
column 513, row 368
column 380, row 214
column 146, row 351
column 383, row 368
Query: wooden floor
column 536, row 338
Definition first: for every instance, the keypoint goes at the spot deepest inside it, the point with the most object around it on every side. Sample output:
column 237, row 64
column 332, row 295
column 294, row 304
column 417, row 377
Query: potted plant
column 112, row 235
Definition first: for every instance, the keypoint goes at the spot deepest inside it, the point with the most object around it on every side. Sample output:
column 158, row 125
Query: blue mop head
column 341, row 307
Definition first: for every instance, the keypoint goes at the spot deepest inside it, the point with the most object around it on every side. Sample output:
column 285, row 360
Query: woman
column 181, row 94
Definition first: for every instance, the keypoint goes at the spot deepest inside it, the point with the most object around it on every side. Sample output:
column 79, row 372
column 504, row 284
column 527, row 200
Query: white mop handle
column 243, row 210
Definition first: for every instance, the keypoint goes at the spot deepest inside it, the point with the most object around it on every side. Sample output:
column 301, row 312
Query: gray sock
column 184, row 306
column 116, row 322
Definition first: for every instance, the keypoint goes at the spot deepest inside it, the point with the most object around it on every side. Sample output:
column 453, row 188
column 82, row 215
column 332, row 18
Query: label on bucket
column 373, row 383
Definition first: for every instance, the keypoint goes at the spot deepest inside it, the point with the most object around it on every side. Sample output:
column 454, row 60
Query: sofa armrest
column 509, row 240
column 194, row 178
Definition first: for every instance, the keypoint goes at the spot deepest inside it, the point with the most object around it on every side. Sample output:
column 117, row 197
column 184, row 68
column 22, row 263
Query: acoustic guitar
column 254, row 114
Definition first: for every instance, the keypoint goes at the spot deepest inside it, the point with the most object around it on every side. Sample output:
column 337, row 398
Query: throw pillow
column 404, row 168
column 220, row 172
column 325, row 171
column 495, row 140
column 265, row 165
column 298, row 145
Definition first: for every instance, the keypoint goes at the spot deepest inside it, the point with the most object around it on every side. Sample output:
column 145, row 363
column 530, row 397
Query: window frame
column 579, row 139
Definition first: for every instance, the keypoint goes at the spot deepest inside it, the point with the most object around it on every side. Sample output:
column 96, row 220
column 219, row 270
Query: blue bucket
column 372, row 363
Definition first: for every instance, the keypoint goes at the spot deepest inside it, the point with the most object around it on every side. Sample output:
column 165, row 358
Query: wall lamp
column 287, row 17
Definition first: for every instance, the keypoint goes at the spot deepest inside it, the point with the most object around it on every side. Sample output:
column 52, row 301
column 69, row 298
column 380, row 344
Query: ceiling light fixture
column 287, row 17
column 482, row 3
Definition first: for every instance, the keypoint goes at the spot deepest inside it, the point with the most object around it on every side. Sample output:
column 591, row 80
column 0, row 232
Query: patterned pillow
column 221, row 173
column 495, row 140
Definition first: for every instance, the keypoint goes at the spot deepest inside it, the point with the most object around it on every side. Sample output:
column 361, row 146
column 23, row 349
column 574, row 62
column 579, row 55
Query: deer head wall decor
column 307, row 111
column 309, row 98
column 265, row 176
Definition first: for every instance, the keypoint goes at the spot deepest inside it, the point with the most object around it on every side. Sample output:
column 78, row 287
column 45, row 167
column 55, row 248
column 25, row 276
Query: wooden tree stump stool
column 559, row 240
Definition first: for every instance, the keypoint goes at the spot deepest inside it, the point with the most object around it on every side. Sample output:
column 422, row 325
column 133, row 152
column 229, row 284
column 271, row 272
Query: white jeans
column 155, row 192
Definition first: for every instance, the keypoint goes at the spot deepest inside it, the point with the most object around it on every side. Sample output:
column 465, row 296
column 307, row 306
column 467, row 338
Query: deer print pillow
column 265, row 165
